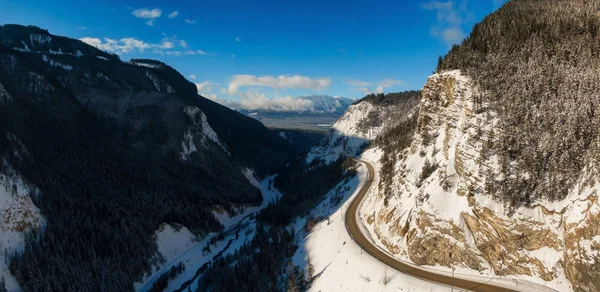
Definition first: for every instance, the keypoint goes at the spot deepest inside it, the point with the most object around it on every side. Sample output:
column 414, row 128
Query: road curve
column 351, row 222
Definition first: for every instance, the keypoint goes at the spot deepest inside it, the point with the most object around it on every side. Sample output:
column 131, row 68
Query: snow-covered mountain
column 311, row 104
column 363, row 122
column 432, row 207
column 314, row 112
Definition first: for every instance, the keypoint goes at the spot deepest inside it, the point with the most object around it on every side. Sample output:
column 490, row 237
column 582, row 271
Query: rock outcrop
column 439, row 212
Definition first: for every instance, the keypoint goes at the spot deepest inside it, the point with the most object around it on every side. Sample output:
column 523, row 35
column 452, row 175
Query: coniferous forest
column 538, row 66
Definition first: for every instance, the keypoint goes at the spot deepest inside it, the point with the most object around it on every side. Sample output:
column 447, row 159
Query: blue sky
column 260, row 50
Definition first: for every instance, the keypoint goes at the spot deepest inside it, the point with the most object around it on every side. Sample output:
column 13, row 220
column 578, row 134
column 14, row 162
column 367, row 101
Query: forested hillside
column 265, row 264
column 538, row 66
column 115, row 149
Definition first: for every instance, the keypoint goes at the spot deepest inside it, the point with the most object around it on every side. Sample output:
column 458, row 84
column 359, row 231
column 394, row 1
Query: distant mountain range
column 314, row 112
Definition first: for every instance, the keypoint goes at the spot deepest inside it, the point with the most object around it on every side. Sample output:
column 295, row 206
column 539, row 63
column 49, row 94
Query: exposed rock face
column 442, row 214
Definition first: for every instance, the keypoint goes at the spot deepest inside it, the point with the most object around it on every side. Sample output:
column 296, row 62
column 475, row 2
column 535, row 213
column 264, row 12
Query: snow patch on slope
column 172, row 241
column 35, row 38
column 54, row 63
column 200, row 128
column 147, row 65
column 160, row 85
column 187, row 145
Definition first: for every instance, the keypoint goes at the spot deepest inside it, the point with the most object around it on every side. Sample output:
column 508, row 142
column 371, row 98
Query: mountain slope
column 115, row 149
column 498, row 174
column 363, row 122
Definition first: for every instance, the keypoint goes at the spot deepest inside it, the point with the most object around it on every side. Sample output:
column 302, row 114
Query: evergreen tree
column 3, row 285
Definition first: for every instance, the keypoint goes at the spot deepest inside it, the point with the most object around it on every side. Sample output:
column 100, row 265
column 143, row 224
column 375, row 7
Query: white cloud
column 190, row 21
column 388, row 82
column 173, row 14
column 81, row 27
column 168, row 43
column 205, row 86
column 198, row 52
column 453, row 35
column 126, row 45
column 381, row 86
column 123, row 45
column 173, row 53
column 237, row 39
column 257, row 101
column 205, row 89
column 147, row 13
column 449, row 20
column 193, row 77
column 150, row 22
column 358, row 83
column 95, row 42
column 364, row 90
column 281, row 81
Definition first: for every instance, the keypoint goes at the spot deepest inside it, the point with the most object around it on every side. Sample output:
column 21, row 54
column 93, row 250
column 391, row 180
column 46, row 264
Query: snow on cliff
column 361, row 123
column 201, row 129
column 435, row 210
column 18, row 215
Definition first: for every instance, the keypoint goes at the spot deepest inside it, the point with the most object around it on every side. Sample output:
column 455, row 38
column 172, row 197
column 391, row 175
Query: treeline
column 537, row 64
column 395, row 106
column 392, row 98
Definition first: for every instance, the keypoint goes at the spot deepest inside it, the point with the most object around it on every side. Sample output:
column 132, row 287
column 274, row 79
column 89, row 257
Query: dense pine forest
column 102, row 144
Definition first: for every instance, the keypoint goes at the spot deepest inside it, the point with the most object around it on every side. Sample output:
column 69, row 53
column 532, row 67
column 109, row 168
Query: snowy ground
column 181, row 246
column 339, row 263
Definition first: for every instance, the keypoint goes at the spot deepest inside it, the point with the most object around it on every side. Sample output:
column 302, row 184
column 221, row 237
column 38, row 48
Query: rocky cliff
column 438, row 208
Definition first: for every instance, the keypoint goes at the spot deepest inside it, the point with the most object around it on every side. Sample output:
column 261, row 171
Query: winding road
column 352, row 225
